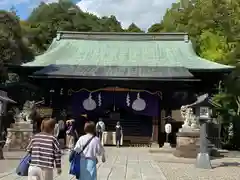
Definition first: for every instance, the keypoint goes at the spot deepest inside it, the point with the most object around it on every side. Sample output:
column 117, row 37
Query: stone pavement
column 139, row 164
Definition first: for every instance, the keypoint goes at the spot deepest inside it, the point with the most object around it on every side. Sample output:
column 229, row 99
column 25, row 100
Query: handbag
column 75, row 158
column 22, row 169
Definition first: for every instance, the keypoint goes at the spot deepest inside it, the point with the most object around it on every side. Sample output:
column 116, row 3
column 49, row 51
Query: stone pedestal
column 187, row 144
column 167, row 146
column 18, row 136
column 109, row 138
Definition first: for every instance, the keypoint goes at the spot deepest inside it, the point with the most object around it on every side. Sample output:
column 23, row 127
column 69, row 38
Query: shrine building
column 135, row 78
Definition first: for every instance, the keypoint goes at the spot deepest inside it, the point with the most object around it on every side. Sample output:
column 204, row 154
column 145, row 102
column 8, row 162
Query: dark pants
column 118, row 140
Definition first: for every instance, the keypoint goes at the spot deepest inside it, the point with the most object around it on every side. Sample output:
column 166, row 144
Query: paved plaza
column 139, row 164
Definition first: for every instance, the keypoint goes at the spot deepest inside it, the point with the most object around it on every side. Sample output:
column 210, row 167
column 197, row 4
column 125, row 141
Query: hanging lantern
column 139, row 104
column 89, row 104
column 99, row 99
column 128, row 100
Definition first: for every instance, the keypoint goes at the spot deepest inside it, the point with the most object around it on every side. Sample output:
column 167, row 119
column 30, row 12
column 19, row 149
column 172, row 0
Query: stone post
column 1, row 130
column 1, row 139
column 203, row 158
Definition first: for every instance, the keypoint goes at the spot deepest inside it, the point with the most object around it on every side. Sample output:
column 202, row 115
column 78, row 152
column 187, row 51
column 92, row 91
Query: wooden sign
column 45, row 111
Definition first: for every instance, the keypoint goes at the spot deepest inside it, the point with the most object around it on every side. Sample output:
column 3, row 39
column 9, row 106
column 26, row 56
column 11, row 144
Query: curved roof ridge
column 121, row 36
column 52, row 45
column 209, row 62
column 51, row 51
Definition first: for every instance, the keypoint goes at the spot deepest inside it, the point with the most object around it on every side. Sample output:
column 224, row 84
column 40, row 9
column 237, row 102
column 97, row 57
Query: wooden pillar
column 161, row 134
column 163, row 115
column 155, row 129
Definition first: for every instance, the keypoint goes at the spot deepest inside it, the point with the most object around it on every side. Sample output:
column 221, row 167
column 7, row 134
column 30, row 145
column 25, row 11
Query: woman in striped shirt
column 45, row 152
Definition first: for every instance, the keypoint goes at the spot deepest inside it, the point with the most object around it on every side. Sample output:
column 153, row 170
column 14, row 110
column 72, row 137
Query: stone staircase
column 136, row 133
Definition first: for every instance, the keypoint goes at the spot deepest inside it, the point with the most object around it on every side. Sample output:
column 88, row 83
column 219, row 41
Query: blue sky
column 143, row 13
column 24, row 7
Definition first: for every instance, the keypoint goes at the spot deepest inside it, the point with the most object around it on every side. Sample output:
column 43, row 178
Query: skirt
column 88, row 169
column 70, row 142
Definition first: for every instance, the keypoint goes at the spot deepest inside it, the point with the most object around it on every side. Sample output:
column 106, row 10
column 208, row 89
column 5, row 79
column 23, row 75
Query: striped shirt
column 45, row 151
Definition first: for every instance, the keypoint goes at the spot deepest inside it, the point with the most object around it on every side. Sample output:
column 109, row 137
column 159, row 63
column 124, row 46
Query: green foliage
column 47, row 19
column 156, row 28
column 213, row 46
column 213, row 25
column 12, row 46
column 226, row 105
column 133, row 28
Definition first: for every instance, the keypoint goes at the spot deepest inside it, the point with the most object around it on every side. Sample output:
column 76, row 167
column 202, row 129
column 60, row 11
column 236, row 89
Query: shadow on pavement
column 228, row 164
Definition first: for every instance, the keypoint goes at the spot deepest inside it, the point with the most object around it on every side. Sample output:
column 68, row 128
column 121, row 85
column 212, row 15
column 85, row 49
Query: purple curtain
column 119, row 99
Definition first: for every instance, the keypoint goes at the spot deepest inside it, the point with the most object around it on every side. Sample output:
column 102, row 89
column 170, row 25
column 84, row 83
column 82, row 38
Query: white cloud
column 144, row 13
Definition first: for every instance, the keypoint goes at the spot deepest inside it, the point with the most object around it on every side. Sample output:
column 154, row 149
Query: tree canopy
column 213, row 26
column 133, row 28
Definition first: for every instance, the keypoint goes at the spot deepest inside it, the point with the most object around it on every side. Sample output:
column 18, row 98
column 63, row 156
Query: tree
column 234, row 56
column 12, row 47
column 133, row 28
column 213, row 26
column 110, row 24
column 44, row 22
column 213, row 46
column 158, row 27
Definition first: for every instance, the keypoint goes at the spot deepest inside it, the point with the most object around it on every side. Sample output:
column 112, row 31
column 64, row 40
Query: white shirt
column 61, row 125
column 93, row 149
column 101, row 123
column 56, row 130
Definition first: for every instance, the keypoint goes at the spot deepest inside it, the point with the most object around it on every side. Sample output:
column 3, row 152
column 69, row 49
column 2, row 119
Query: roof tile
column 89, row 50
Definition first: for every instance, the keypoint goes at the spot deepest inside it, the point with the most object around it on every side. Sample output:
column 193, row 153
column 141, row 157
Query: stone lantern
column 192, row 139
column 4, row 99
column 204, row 112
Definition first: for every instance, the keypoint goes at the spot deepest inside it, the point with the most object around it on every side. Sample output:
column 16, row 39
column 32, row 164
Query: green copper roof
column 114, row 72
column 124, row 49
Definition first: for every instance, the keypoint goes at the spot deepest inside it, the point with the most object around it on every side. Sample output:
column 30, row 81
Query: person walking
column 119, row 134
column 89, row 147
column 71, row 134
column 100, row 128
column 56, row 130
column 45, row 153
column 62, row 133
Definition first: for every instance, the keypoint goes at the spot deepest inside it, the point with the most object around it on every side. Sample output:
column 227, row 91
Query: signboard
column 45, row 111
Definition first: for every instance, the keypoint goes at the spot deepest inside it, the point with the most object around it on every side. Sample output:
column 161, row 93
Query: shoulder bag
column 75, row 158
